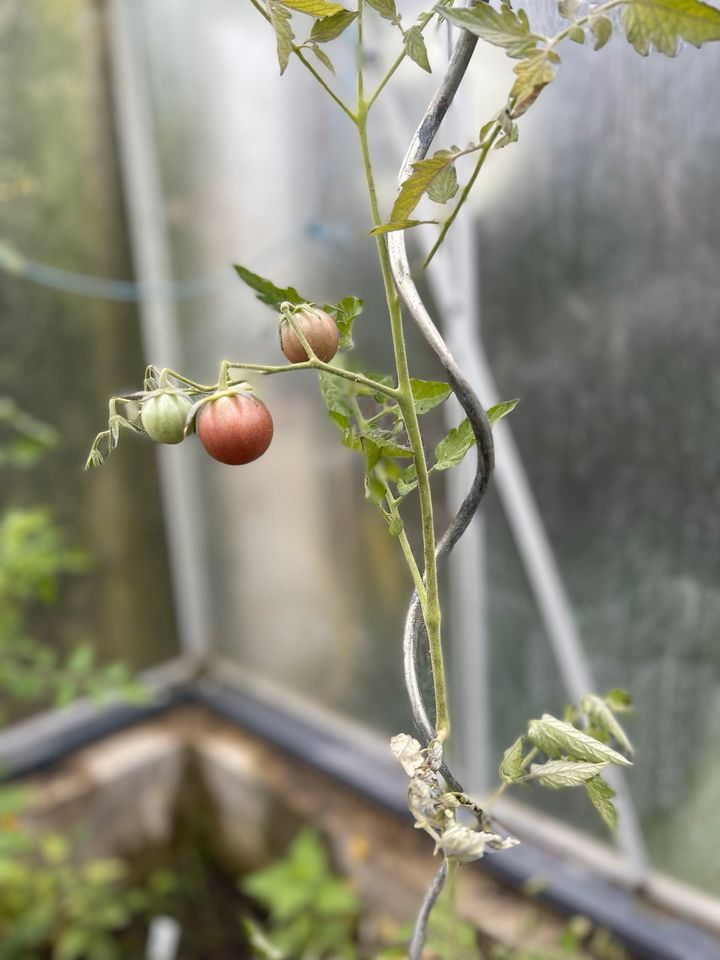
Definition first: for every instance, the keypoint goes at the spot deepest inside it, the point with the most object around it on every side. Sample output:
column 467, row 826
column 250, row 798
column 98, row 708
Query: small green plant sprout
column 313, row 913
column 381, row 416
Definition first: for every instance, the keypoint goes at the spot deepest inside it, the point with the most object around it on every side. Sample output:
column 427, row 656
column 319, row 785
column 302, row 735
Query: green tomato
column 163, row 415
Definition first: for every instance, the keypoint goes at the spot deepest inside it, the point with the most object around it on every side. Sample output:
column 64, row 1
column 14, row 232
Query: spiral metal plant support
column 476, row 415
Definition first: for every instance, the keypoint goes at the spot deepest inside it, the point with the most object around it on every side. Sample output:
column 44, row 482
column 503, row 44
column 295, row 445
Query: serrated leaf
column 600, row 715
column 500, row 410
column 386, row 9
column 322, row 57
column 428, row 393
column 284, row 37
column 577, row 35
column 329, row 28
column 415, row 48
column 511, row 765
column 394, row 225
column 314, row 8
column 557, row 738
column 532, row 76
column 346, row 313
column 663, row 23
column 424, row 172
column 407, row 480
column 601, row 796
column 564, row 773
column 452, row 448
column 503, row 28
column 602, row 31
column 444, row 186
column 266, row 291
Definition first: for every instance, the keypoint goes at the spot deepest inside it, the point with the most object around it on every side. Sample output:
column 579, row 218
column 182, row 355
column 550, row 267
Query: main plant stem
column 431, row 606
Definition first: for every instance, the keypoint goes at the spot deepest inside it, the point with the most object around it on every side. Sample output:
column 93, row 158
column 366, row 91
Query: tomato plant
column 385, row 428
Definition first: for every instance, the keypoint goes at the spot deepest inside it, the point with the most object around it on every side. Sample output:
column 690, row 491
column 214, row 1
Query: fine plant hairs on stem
column 466, row 396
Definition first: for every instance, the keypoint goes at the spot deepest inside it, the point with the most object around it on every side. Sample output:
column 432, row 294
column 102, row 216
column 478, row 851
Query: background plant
column 380, row 416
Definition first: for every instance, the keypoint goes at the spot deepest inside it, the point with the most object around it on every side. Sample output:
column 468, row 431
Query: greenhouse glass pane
column 69, row 336
column 599, row 242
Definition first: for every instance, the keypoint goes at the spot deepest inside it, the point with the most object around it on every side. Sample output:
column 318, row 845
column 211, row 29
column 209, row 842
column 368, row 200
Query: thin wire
column 14, row 262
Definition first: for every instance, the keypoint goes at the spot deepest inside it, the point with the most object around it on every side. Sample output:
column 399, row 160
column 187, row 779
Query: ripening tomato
column 318, row 328
column 163, row 414
column 235, row 428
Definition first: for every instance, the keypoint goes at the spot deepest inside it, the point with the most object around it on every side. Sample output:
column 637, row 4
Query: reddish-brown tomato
column 318, row 328
column 235, row 429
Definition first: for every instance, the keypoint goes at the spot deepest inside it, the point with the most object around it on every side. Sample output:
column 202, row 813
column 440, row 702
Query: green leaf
column 266, row 291
column 602, row 717
column 374, row 489
column 415, row 48
column 557, row 738
column 397, row 225
column 386, row 9
column 329, row 28
column 280, row 22
column 452, row 448
column 532, row 76
column 568, row 8
column 428, row 394
column 602, row 31
column 564, row 773
column 444, row 186
column 407, row 480
column 314, row 8
column 577, row 35
column 346, row 313
column 500, row 410
column 322, row 57
column 618, row 700
column 601, row 795
column 337, row 397
column 503, row 28
column 424, row 172
column 663, row 23
column 511, row 766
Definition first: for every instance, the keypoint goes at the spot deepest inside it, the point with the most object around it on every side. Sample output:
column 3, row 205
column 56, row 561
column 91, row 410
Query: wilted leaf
column 533, row 75
column 424, row 172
